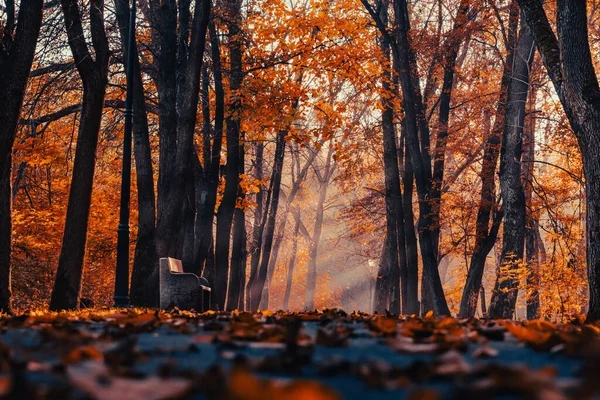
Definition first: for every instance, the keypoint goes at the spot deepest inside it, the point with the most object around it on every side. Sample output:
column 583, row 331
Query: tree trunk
column 227, row 207
column 207, row 198
column 165, row 26
column 311, row 280
column 456, row 37
column 291, row 265
column 17, row 49
column 238, row 253
column 485, row 237
column 532, row 250
column 258, row 225
column 94, row 76
column 5, row 238
column 418, row 149
column 177, row 142
column 258, row 284
column 144, row 277
column 504, row 296
column 569, row 63
column 387, row 290
column 412, row 256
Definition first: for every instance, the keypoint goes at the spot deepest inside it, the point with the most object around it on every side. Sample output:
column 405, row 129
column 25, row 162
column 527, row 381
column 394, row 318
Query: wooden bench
column 180, row 289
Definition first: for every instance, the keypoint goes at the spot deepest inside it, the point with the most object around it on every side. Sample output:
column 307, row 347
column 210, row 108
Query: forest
column 395, row 156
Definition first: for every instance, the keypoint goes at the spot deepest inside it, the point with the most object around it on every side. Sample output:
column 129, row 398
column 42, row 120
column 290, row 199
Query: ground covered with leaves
column 145, row 354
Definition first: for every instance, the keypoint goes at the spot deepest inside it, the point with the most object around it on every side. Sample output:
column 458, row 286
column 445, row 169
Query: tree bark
column 227, row 207
column 485, row 236
column 532, row 250
column 258, row 225
column 238, row 252
column 94, row 76
column 17, row 49
column 412, row 256
column 207, row 197
column 418, row 149
column 178, row 142
column 387, row 289
column 504, row 296
column 569, row 63
column 144, row 277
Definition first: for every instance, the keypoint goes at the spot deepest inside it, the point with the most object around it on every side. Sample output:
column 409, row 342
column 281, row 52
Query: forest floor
column 145, row 354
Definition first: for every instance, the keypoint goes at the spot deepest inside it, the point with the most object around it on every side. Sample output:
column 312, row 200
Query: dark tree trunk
column 291, row 265
column 17, row 49
column 188, row 215
column 387, row 289
column 485, row 237
column 144, row 277
column 264, row 300
column 258, row 225
column 532, row 250
column 256, row 287
column 177, row 124
column 418, row 147
column 5, row 238
column 483, row 308
column 238, row 253
column 165, row 26
column 569, row 64
column 94, row 76
column 504, row 296
column 207, row 197
column 227, row 207
column 412, row 255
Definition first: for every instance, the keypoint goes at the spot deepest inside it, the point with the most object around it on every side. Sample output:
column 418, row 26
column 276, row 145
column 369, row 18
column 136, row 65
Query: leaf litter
column 98, row 354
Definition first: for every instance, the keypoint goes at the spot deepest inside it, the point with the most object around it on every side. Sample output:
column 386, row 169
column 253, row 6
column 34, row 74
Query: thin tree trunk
column 227, row 207
column 418, row 147
column 94, row 76
column 412, row 256
column 207, row 198
column 17, row 49
column 458, row 34
column 144, row 277
column 485, row 237
column 258, row 226
column 504, row 296
column 311, row 280
column 280, row 230
column 238, row 253
column 532, row 219
column 5, row 238
column 291, row 265
column 387, row 289
column 258, row 284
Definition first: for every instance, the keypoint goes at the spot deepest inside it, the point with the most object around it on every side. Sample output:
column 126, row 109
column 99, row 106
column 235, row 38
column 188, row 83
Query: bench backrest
column 175, row 266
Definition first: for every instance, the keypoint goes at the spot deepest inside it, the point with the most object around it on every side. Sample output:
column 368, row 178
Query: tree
column 568, row 61
column 485, row 235
column 229, row 200
column 17, row 48
column 94, row 76
column 143, row 282
column 504, row 296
